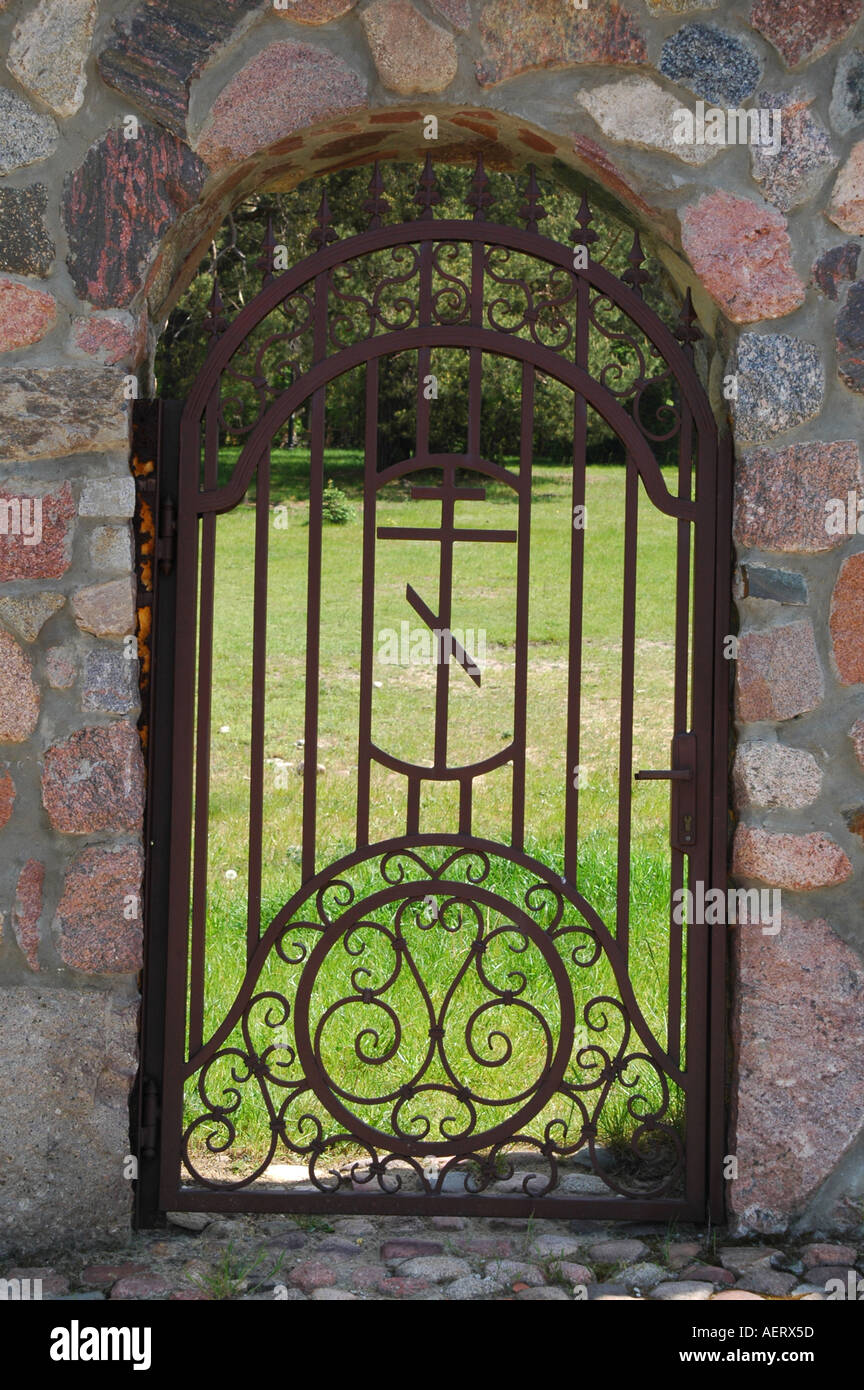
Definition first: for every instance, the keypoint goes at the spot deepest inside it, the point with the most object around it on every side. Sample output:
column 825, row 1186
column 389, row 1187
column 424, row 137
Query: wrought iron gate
column 440, row 1019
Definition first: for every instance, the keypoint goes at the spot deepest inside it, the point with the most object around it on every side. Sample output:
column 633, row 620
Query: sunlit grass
column 482, row 720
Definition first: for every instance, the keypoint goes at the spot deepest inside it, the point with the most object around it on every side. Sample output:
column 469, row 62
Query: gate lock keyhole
column 682, row 775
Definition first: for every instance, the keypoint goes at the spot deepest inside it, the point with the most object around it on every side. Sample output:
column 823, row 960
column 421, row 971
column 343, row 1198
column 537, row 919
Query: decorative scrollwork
column 432, row 1019
column 536, row 304
column 451, row 294
column 264, row 364
column 387, row 303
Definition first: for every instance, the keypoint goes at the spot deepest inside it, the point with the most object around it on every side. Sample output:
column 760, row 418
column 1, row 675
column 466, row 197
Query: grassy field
column 481, row 721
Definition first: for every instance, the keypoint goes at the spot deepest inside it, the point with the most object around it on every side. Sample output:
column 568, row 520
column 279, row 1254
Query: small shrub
column 335, row 506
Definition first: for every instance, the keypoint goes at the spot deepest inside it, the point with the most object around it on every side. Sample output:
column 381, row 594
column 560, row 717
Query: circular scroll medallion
column 439, row 1035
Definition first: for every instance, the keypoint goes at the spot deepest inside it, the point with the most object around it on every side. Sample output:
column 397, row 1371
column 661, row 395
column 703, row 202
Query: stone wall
column 126, row 133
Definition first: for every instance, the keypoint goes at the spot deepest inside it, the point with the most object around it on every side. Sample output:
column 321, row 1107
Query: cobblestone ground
column 445, row 1257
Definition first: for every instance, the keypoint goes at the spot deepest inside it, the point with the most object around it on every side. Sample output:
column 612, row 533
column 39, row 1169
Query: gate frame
column 172, row 422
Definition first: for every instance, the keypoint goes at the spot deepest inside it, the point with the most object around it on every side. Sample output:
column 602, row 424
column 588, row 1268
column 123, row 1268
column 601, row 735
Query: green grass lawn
column 481, row 722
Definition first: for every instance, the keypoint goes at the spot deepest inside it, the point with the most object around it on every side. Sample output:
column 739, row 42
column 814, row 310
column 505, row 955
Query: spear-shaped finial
column 215, row 322
column 324, row 232
column 376, row 205
column 636, row 277
column 687, row 330
column 427, row 195
column 480, row 194
column 532, row 211
column 583, row 233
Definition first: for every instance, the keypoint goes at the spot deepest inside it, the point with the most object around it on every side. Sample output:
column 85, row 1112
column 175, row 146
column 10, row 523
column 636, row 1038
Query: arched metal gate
column 486, row 1095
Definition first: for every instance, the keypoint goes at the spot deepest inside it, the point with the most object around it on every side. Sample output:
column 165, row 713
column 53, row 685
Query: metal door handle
column 682, row 797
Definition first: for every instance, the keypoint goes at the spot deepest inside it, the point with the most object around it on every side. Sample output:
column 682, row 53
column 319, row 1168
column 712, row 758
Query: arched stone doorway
column 130, row 199
column 450, row 280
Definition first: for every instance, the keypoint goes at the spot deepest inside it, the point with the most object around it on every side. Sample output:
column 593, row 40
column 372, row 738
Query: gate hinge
column 150, row 1113
column 166, row 543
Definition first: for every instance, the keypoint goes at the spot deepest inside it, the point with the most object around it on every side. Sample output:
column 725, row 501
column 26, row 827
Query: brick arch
column 396, row 134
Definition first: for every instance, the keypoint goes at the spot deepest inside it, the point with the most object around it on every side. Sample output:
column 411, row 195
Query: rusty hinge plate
column 150, row 1112
column 166, row 541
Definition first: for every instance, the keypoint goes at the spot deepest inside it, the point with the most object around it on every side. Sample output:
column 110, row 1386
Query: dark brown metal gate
column 355, row 935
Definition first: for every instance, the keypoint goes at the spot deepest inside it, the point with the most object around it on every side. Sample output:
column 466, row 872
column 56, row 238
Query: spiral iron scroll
column 515, row 1055
column 381, row 292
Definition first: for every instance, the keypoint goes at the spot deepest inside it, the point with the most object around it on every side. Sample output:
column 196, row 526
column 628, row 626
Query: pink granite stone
column 778, row 672
column 847, row 621
column 106, row 610
column 109, row 338
column 770, row 775
column 519, row 35
column 98, row 918
column 781, row 495
column 794, row 173
column 19, row 694
column 824, row 1254
column 794, row 862
column 741, row 253
column 846, row 209
column 797, row 1024
column 801, row 30
column 28, row 909
column 281, row 90
column 137, row 1286
column 36, row 539
column 26, row 315
column 312, row 1274
column 410, row 53
column 94, row 780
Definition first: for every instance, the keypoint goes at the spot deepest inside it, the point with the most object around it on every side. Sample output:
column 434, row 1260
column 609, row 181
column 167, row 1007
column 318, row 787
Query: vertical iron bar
column 313, row 585
column 625, row 760
column 313, row 631
column 523, row 555
column 700, row 939
column 424, row 354
column 445, row 617
column 181, row 736
column 259, row 700
column 203, row 733
column 475, row 368
column 577, row 588
column 367, row 621
column 681, row 725
column 412, row 813
column 717, row 1138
